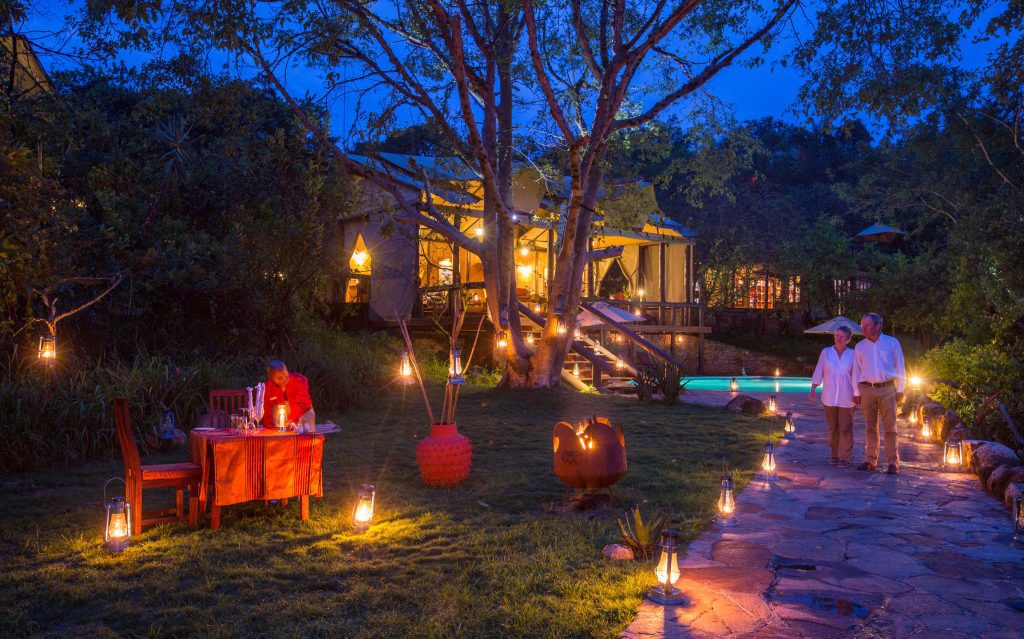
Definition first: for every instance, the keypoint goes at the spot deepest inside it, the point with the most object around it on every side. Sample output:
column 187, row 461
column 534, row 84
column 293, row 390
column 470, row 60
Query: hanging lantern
column 362, row 514
column 524, row 251
column 576, row 369
column 619, row 364
column 734, row 386
column 537, row 307
column 502, row 341
column 771, row 404
column 789, row 431
column 117, row 532
column 281, row 416
column 915, row 381
column 529, row 339
column 559, row 304
column 503, row 314
column 47, row 349
column 727, row 502
column 455, row 367
column 1018, row 519
column 560, row 326
column 637, row 313
column 167, row 425
column 667, row 572
column 768, row 463
column 952, row 455
column 680, row 339
column 405, row 369
column 926, row 427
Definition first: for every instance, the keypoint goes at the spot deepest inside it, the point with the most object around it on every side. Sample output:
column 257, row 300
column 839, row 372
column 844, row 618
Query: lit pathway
column 827, row 552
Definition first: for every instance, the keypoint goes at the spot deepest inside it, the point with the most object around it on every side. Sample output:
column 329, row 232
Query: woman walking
column 834, row 374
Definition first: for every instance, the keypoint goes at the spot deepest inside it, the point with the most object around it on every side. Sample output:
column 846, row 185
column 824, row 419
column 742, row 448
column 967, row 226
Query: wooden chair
column 223, row 404
column 138, row 477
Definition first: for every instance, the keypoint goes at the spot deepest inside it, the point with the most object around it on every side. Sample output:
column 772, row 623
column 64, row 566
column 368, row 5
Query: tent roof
column 878, row 229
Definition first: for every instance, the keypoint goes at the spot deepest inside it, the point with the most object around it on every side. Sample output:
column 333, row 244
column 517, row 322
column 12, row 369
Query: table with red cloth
column 257, row 465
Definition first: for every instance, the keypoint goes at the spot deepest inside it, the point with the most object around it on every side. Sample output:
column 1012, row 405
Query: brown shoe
column 892, row 470
column 866, row 466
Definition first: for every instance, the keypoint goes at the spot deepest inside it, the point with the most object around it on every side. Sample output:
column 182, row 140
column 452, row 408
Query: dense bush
column 65, row 417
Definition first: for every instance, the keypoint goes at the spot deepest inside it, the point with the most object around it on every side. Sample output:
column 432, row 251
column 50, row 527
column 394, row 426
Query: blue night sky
column 768, row 90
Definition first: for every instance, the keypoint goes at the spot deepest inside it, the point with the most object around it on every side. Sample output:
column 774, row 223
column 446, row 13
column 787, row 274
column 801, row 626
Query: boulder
column 967, row 448
column 1003, row 475
column 618, row 552
column 950, row 425
column 989, row 456
column 1011, row 491
column 745, row 404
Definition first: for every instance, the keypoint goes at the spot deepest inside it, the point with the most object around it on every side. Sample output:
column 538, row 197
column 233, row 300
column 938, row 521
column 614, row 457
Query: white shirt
column 833, row 373
column 878, row 362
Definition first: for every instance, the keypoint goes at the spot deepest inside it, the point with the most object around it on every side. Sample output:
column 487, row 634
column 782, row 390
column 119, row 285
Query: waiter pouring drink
column 878, row 380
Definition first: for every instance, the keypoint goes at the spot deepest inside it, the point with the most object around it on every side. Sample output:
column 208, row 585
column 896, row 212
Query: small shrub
column 641, row 537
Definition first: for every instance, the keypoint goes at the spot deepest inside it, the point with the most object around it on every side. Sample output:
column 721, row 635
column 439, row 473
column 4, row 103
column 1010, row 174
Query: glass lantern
column 1018, row 520
column 47, row 349
column 362, row 514
column 768, row 463
column 167, row 425
column 502, row 341
column 281, row 416
column 405, row 369
column 117, row 532
column 790, row 428
column 455, row 367
column 771, row 404
column 926, row 427
column 530, row 339
column 576, row 369
column 560, row 328
column 727, row 502
column 503, row 314
column 952, row 455
column 667, row 572
column 912, row 419
column 734, row 386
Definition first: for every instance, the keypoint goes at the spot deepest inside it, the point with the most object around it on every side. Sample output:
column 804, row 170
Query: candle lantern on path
column 952, row 455
column 790, row 429
column 727, row 502
column 734, row 386
column 926, row 427
column 768, row 463
column 362, row 514
column 667, row 572
column 772, row 405
column 117, row 532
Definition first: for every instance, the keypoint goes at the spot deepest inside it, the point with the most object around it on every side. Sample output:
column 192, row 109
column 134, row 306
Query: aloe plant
column 640, row 536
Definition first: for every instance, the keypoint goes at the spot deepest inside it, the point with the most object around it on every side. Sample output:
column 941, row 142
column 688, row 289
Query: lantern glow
column 790, row 429
column 926, row 427
column 530, row 339
column 479, row 231
column 281, row 416
column 771, row 404
column 502, row 341
column 641, row 293
column 778, row 372
column 576, row 369
column 117, row 531
column 47, row 349
column 768, row 463
column 727, row 502
column 455, row 367
column 667, row 571
column 362, row 514
column 734, row 386
column 952, row 455
column 915, row 381
column 359, row 259
column 405, row 369
column 560, row 327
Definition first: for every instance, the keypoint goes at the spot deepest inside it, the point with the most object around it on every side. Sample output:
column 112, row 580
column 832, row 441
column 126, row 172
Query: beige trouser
column 840, row 431
column 879, row 405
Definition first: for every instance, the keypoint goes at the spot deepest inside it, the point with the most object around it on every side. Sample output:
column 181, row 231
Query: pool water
column 752, row 384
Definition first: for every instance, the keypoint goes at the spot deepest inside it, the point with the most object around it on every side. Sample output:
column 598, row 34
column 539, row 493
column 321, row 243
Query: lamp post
column 362, row 514
column 667, row 572
column 117, row 531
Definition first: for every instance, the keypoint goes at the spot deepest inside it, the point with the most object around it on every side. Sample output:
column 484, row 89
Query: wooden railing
column 660, row 313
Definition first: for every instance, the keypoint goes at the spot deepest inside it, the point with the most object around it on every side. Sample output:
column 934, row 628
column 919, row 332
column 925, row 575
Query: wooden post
column 590, row 270
column 661, row 280
column 551, row 263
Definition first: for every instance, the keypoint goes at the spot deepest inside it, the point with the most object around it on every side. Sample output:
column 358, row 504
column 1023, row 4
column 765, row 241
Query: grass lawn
column 487, row 559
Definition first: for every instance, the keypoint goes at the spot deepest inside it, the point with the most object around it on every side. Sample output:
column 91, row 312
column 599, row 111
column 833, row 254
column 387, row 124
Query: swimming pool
column 752, row 384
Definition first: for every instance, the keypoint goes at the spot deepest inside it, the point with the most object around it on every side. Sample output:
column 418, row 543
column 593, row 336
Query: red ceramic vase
column 444, row 457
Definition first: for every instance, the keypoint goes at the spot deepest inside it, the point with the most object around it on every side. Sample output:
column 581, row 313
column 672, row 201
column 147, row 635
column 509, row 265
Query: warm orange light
column 778, row 372
column 502, row 340
column 281, row 416
column 405, row 369
column 915, row 381
column 359, row 259
column 576, row 369
column 529, row 339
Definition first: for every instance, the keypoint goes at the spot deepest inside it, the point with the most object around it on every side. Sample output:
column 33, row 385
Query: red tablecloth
column 263, row 464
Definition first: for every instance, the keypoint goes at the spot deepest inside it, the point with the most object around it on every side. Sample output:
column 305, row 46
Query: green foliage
column 642, row 538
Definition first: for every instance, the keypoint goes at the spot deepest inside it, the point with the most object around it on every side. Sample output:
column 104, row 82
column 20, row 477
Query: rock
column 1004, row 475
column 1011, row 491
column 618, row 552
column 967, row 448
column 950, row 425
column 745, row 404
column 989, row 456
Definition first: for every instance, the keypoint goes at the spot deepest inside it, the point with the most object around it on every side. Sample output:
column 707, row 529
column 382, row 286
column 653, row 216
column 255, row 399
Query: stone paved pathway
column 827, row 552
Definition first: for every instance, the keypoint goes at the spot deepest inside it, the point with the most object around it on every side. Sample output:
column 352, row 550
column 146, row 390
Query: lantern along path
column 828, row 552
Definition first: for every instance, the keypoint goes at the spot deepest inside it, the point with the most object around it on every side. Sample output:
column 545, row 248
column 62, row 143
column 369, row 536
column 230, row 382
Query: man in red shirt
column 287, row 388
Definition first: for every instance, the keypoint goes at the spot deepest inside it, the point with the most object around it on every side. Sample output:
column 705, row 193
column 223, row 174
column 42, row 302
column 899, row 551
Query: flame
column 117, row 527
column 364, row 512
column 667, row 571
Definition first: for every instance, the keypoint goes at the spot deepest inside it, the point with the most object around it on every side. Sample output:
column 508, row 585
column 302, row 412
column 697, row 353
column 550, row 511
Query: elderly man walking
column 879, row 376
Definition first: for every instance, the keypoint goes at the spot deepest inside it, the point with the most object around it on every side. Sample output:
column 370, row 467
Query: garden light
column 734, row 386
column 117, row 533
column 727, row 502
column 789, row 431
column 362, row 514
column 952, row 455
column 47, row 349
column 768, row 463
column 926, row 427
column 455, row 367
column 667, row 572
column 913, row 418
column 771, row 404
column 281, row 416
column 405, row 369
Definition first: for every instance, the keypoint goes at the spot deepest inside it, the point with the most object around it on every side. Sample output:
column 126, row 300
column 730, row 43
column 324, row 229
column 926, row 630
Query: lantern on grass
column 455, row 367
column 926, row 427
column 768, row 463
column 117, row 533
column 405, row 369
column 281, row 416
column 1018, row 520
column 47, row 349
column 727, row 502
column 771, row 404
column 667, row 572
column 734, row 386
column 952, row 455
column 362, row 514
column 789, row 430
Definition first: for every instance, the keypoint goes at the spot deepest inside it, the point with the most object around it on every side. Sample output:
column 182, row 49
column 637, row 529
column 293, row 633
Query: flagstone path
column 828, row 552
